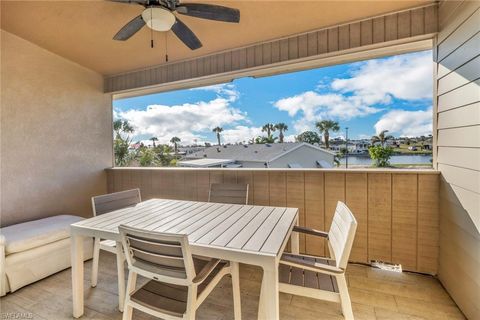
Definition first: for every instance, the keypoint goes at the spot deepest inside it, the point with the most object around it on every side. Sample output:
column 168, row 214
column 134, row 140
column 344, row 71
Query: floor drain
column 386, row 266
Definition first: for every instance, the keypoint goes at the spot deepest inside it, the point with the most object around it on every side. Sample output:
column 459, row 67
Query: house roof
column 252, row 152
column 204, row 162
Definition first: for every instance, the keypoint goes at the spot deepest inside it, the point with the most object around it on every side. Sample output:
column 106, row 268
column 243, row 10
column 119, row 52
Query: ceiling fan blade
column 186, row 35
column 130, row 29
column 209, row 11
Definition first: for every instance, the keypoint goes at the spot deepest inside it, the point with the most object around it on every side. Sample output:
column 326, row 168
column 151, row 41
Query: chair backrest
column 160, row 256
column 114, row 201
column 341, row 234
column 228, row 193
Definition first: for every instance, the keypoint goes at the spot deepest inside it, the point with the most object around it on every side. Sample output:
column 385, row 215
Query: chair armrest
column 310, row 231
column 206, row 270
column 295, row 261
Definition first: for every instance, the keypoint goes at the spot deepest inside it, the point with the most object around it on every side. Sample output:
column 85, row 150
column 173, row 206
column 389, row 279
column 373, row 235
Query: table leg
column 269, row 297
column 121, row 276
column 77, row 274
column 237, row 304
column 295, row 241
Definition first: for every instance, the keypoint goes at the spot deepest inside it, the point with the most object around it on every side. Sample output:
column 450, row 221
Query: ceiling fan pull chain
column 151, row 29
column 166, row 47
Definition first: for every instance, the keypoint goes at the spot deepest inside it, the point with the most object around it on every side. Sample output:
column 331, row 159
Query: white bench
column 34, row 250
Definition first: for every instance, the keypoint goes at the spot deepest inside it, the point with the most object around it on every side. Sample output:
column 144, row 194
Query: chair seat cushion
column 168, row 298
column 307, row 278
column 28, row 235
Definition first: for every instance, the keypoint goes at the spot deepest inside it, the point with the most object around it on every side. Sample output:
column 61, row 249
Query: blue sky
column 393, row 93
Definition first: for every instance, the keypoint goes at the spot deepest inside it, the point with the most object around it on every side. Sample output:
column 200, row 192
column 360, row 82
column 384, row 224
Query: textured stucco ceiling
column 82, row 31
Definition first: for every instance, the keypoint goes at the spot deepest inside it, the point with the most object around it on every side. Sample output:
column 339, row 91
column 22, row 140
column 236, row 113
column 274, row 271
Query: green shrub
column 147, row 157
column 380, row 155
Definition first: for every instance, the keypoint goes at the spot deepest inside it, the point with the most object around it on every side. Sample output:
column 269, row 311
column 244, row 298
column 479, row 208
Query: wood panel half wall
column 397, row 211
column 375, row 32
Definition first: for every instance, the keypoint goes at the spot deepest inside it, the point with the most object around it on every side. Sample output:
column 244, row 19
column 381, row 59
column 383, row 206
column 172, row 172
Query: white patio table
column 255, row 235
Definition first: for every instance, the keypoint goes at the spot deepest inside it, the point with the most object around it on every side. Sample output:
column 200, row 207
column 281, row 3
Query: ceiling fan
column 159, row 15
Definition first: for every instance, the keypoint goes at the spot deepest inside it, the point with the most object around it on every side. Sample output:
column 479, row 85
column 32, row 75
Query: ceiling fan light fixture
column 158, row 19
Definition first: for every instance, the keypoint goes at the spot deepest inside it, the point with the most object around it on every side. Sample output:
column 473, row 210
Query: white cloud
column 314, row 106
column 187, row 121
column 240, row 134
column 406, row 123
column 370, row 87
column 227, row 90
column 406, row 77
column 191, row 122
column 290, row 138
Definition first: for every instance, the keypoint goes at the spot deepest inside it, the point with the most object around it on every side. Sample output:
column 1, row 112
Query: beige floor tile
column 428, row 310
column 375, row 294
column 430, row 293
column 372, row 298
column 384, row 314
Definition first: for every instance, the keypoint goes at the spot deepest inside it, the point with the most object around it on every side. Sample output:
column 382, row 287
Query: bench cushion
column 28, row 235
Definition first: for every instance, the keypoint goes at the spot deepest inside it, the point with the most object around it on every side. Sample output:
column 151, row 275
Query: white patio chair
column 179, row 281
column 228, row 193
column 107, row 203
column 319, row 277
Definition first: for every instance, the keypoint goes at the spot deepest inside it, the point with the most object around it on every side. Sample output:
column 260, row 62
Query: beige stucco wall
column 56, row 133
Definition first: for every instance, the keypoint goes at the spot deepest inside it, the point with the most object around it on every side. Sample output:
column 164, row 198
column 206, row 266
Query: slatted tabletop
column 239, row 227
column 239, row 233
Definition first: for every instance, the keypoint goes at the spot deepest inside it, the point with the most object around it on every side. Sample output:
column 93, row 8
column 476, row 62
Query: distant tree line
column 128, row 153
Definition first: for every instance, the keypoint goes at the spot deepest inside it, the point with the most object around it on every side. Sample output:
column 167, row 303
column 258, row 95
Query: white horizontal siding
column 464, row 32
column 460, row 157
column 465, row 95
column 463, row 54
column 462, row 76
column 468, row 137
column 458, row 151
column 452, row 14
column 460, row 117
column 464, row 178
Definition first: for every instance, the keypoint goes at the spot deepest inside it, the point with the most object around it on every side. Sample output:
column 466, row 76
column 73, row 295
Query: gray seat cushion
column 170, row 298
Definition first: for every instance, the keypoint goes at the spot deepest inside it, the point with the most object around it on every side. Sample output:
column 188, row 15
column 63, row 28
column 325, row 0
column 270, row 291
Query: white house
column 354, row 146
column 275, row 155
column 358, row 146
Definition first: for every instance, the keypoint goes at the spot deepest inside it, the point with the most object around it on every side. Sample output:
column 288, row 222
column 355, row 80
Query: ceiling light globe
column 158, row 19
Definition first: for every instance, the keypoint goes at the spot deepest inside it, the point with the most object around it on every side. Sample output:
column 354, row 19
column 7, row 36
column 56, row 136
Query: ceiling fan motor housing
column 158, row 18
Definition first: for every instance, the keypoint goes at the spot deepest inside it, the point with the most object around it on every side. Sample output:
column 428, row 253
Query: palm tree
column 382, row 138
column 121, row 142
column 325, row 126
column 217, row 130
column 153, row 140
column 263, row 139
column 281, row 127
column 175, row 141
column 268, row 128
column 122, row 126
